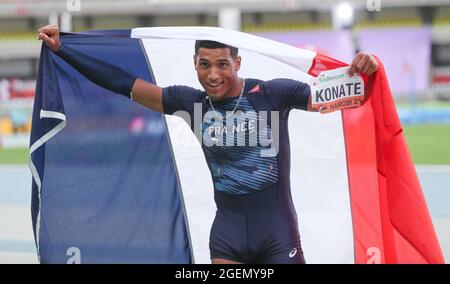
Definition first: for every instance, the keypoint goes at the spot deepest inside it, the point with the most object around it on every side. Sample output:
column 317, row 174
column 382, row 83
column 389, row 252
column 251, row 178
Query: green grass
column 14, row 156
column 428, row 144
column 425, row 105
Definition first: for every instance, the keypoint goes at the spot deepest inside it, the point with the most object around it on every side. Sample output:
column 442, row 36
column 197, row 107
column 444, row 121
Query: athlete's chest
column 234, row 123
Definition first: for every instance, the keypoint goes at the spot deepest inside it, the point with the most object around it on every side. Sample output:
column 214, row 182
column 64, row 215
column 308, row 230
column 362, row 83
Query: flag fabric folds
column 114, row 182
column 108, row 190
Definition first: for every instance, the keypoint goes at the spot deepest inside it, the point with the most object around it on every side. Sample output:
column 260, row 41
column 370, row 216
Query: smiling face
column 217, row 72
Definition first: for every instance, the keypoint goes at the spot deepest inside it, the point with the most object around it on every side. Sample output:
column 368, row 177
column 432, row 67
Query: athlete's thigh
column 228, row 239
column 275, row 237
column 287, row 254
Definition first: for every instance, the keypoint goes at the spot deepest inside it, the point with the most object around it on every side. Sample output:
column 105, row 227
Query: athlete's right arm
column 103, row 73
column 148, row 94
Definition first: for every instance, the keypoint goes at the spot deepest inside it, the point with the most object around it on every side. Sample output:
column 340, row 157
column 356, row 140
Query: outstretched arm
column 104, row 74
column 310, row 107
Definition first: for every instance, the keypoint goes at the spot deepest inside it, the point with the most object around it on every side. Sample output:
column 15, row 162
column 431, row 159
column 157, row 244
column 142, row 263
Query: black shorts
column 259, row 229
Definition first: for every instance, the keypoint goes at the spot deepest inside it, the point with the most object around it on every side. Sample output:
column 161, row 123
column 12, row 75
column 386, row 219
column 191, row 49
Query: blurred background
column 411, row 37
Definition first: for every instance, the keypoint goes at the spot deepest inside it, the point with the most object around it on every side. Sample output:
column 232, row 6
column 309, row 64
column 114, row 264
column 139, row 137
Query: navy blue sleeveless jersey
column 249, row 168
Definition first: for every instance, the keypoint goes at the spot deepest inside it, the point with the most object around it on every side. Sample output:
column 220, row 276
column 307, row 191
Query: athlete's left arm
column 361, row 63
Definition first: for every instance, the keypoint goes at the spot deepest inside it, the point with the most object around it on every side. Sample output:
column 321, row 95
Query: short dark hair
column 213, row 45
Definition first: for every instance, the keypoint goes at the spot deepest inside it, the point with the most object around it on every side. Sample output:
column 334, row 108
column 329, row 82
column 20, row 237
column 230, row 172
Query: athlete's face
column 217, row 72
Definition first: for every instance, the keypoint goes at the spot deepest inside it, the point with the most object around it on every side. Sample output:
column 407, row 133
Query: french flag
column 115, row 182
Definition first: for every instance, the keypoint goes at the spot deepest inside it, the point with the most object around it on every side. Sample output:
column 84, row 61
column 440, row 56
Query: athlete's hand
column 50, row 35
column 363, row 63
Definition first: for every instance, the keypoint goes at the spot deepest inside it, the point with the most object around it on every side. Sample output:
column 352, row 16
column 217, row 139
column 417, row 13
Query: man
column 256, row 220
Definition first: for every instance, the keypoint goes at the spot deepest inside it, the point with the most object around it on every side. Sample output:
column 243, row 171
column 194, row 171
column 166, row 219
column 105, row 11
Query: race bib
column 334, row 89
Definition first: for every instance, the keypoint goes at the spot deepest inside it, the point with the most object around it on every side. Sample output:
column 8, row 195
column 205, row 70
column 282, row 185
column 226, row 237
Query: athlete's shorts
column 257, row 228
